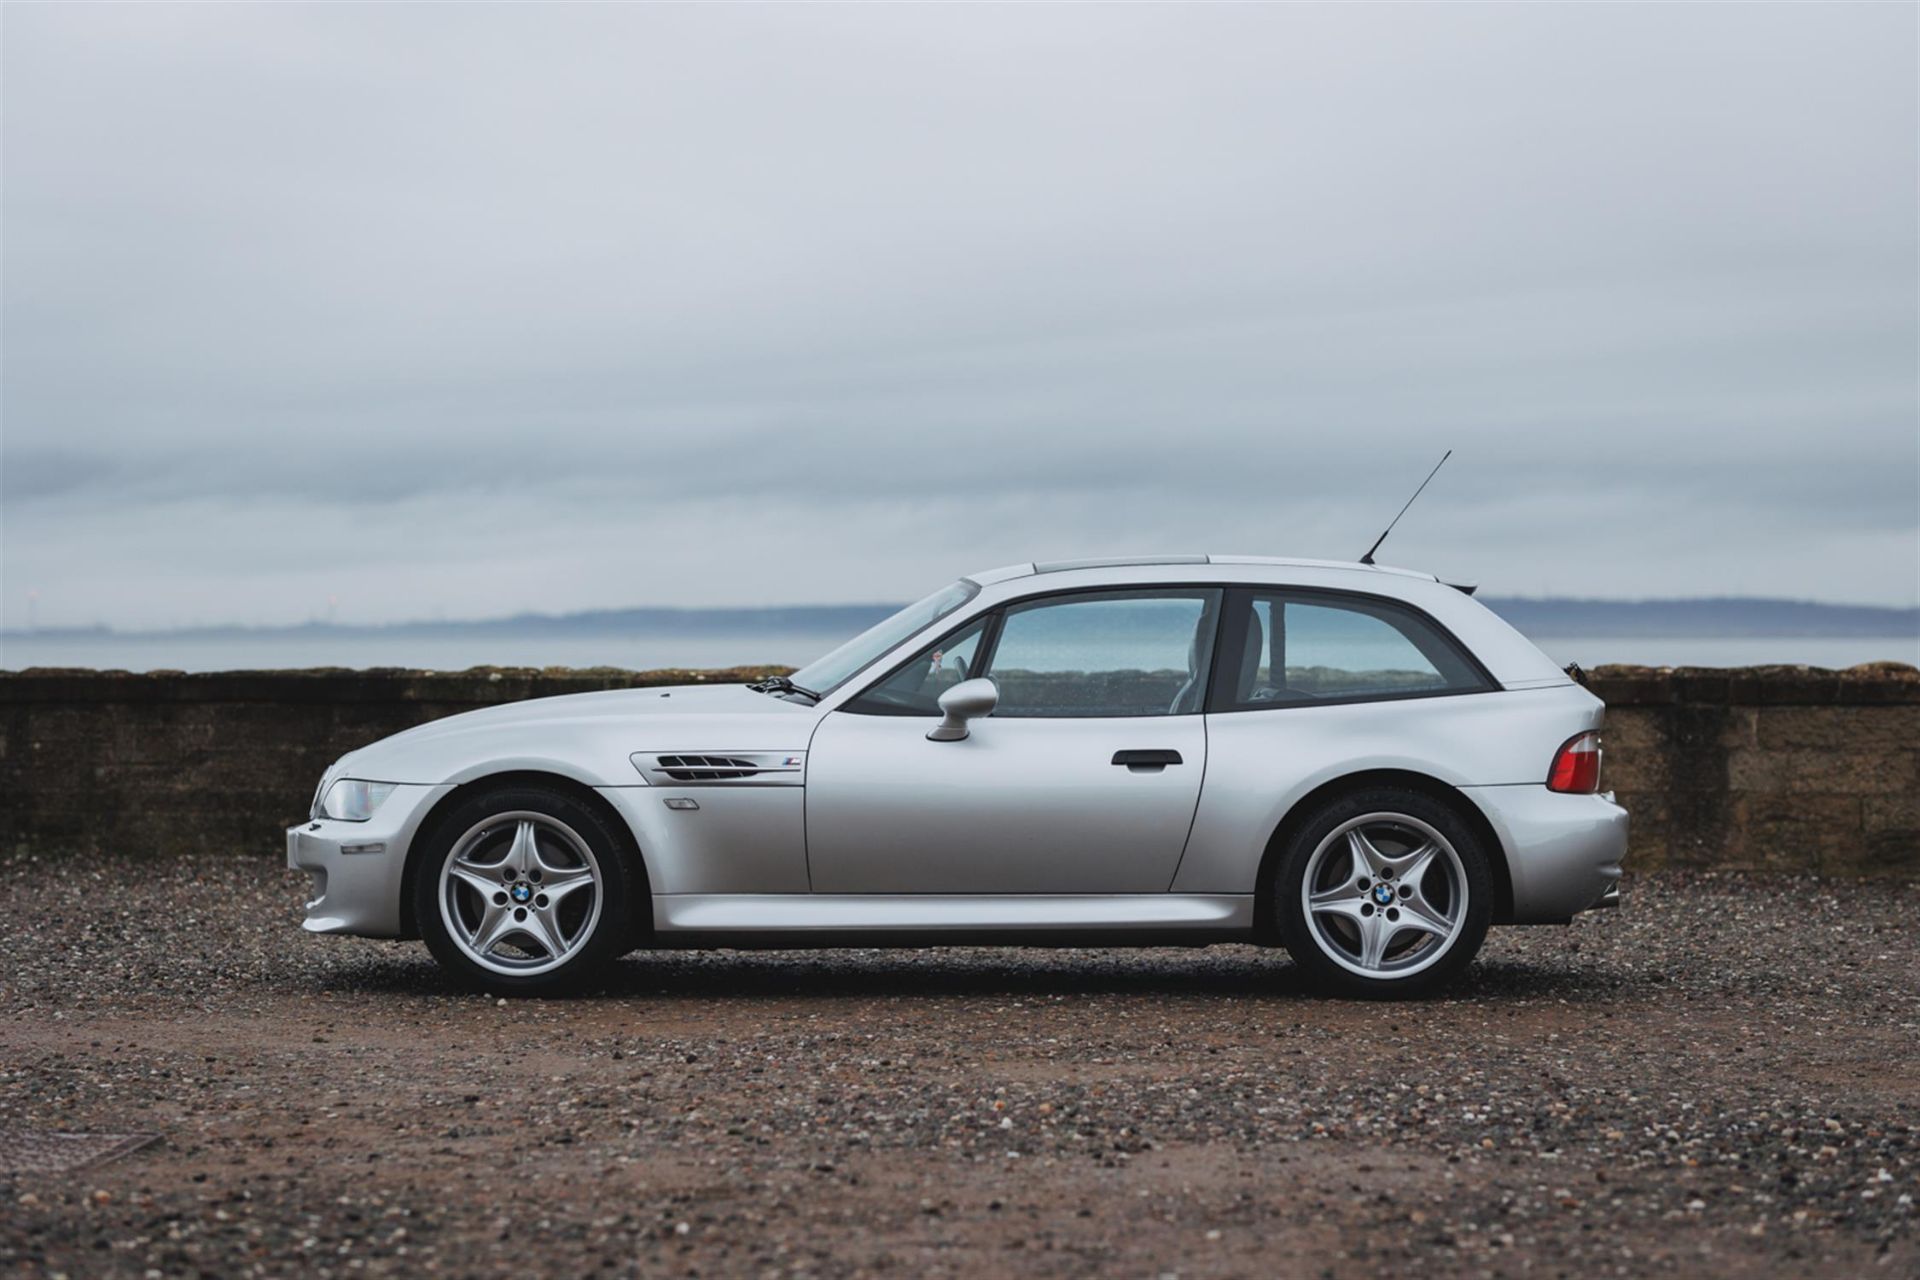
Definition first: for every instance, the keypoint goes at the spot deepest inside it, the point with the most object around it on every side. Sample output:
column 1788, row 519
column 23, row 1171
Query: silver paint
column 947, row 916
column 1021, row 806
column 740, row 839
column 360, row 893
column 968, row 700
column 1025, row 824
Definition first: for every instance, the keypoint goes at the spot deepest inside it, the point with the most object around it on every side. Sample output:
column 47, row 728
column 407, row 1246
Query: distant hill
column 843, row 619
column 1732, row 616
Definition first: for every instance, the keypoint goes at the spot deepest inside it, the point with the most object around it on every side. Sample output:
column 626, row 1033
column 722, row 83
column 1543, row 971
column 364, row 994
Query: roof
column 1008, row 572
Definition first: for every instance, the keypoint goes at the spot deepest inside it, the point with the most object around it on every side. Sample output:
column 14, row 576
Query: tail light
column 1576, row 765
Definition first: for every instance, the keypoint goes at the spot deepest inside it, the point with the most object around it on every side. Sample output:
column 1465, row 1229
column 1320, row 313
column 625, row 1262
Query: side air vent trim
column 718, row 768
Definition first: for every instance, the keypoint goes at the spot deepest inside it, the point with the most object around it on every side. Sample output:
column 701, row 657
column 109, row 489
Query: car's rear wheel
column 1383, row 893
column 523, row 889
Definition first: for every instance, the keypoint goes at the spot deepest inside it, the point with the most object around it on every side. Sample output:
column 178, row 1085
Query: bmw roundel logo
column 522, row 892
column 1383, row 894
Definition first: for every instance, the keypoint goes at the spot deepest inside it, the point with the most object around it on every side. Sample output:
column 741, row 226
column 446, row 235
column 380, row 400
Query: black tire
column 592, row 934
column 1332, row 955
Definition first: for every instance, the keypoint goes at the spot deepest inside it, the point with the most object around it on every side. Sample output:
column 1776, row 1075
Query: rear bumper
column 359, row 868
column 1563, row 852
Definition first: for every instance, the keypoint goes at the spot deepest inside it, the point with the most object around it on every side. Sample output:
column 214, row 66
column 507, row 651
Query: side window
column 1107, row 654
column 1287, row 650
column 915, row 689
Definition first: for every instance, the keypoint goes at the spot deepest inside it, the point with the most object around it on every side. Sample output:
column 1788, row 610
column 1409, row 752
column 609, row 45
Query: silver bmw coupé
column 1358, row 763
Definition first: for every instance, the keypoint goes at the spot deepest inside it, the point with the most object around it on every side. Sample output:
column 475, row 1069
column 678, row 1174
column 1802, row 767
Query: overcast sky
column 467, row 311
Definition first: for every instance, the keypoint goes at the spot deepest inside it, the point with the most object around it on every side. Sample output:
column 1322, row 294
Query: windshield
column 824, row 675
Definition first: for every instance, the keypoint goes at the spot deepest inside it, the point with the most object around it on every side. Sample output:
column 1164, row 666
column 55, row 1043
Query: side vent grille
column 706, row 768
column 723, row 768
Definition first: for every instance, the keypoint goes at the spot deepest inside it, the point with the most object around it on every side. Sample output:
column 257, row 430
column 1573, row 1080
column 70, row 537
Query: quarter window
column 1288, row 650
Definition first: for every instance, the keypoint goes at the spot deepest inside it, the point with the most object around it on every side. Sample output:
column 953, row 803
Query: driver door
column 1084, row 780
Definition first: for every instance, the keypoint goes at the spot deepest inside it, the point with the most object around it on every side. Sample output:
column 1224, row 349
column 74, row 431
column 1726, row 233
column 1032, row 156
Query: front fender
column 593, row 774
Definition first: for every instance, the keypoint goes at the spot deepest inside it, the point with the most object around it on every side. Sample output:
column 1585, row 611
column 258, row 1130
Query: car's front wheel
column 1383, row 893
column 523, row 889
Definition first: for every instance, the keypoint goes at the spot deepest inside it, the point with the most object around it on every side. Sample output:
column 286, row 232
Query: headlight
column 352, row 800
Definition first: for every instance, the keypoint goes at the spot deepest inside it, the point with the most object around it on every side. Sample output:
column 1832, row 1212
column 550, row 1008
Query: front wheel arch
column 641, row 897
column 1266, row 926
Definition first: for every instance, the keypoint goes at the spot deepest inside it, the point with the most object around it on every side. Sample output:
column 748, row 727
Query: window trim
column 1213, row 609
column 973, row 594
column 996, row 621
column 989, row 634
column 1239, row 599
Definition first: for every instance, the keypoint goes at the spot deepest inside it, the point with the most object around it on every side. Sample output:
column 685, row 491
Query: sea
column 316, row 647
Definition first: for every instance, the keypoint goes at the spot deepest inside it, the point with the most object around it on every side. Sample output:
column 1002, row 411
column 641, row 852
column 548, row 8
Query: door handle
column 1147, row 761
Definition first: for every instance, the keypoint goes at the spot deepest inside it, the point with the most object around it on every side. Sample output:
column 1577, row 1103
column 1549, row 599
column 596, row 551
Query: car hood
column 588, row 737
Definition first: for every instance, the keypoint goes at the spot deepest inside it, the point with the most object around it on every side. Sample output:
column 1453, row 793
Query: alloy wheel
column 1385, row 895
column 520, row 893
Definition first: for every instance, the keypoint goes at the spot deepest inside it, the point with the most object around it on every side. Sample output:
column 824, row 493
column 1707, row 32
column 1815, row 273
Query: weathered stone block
column 1708, row 727
column 1634, row 729
column 1810, row 771
column 1891, row 837
column 1632, row 686
column 1797, row 833
column 1899, row 811
column 1879, row 728
column 1648, row 835
column 1885, row 853
column 1703, row 685
column 1636, row 772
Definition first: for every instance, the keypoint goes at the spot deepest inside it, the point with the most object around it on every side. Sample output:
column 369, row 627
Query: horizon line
column 536, row 616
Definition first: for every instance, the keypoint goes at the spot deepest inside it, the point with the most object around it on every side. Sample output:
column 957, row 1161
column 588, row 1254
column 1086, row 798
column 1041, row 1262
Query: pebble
column 1724, row 1065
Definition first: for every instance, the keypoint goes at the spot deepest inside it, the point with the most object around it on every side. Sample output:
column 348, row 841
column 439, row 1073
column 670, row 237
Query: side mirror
column 968, row 700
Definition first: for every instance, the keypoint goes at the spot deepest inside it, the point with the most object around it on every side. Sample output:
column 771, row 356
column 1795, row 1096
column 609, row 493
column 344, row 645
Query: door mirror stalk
column 968, row 700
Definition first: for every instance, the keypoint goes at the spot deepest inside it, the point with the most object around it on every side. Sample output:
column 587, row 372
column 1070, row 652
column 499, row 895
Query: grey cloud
column 26, row 474
column 473, row 303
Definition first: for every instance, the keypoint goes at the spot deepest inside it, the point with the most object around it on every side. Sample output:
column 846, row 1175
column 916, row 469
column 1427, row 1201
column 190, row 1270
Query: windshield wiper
column 780, row 684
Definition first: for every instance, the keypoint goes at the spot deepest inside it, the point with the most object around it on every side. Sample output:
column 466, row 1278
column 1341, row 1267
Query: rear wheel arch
column 1266, row 927
column 642, row 892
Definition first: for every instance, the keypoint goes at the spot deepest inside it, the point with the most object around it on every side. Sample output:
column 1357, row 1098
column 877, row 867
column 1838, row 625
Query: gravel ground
column 1718, row 1080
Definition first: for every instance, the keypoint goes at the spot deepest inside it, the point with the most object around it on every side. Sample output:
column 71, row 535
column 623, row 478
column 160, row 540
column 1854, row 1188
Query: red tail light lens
column 1576, row 766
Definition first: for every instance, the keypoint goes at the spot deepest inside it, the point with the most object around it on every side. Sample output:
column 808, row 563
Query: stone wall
column 1768, row 768
column 1775, row 768
column 106, row 761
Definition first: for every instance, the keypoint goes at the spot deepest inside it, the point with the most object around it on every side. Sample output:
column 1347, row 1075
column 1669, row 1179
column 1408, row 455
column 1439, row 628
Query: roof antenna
column 1368, row 558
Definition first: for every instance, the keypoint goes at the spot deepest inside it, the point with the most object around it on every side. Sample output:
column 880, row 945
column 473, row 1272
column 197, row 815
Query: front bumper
column 359, row 868
column 1563, row 851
